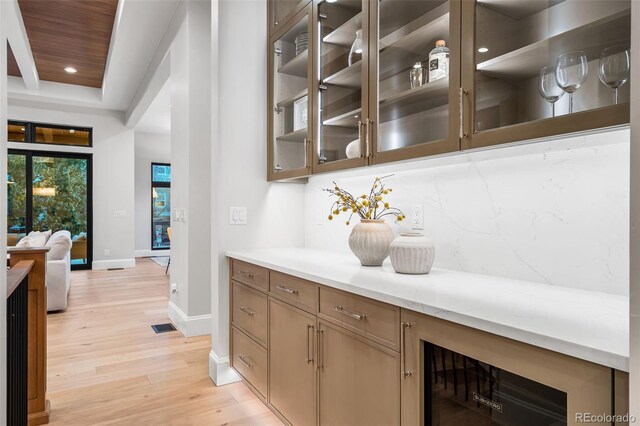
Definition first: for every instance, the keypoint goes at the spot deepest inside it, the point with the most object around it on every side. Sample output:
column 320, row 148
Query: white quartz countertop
column 593, row 326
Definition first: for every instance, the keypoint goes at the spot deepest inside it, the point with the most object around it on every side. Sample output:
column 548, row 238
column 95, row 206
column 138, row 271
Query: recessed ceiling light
column 331, row 1
column 72, row 131
column 483, row 50
column 71, row 70
column 23, row 129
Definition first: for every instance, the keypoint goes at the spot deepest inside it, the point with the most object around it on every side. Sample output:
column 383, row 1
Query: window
column 160, row 205
column 50, row 134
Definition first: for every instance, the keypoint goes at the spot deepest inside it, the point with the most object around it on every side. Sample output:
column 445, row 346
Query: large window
column 50, row 191
column 160, row 205
column 50, row 134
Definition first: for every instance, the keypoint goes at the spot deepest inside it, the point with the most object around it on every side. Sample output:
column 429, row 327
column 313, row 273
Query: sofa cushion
column 34, row 239
column 59, row 244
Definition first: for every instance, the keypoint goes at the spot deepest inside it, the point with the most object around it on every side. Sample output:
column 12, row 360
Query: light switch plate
column 119, row 213
column 417, row 216
column 237, row 215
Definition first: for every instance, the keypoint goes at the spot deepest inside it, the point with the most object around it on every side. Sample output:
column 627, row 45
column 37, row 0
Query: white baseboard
column 113, row 263
column 220, row 370
column 199, row 325
column 152, row 253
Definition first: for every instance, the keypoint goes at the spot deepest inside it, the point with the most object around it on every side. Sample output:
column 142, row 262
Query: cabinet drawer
column 298, row 291
column 249, row 311
column 250, row 360
column 376, row 320
column 249, row 274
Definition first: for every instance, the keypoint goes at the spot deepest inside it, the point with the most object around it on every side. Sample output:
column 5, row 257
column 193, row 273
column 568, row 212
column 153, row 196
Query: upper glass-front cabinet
column 414, row 102
column 281, row 11
column 290, row 104
column 541, row 68
column 341, row 84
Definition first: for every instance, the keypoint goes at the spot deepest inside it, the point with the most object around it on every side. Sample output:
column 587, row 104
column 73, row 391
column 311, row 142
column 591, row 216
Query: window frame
column 158, row 184
column 30, row 133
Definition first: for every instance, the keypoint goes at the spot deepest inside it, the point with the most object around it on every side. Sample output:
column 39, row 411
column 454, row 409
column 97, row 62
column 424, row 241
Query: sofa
column 58, row 276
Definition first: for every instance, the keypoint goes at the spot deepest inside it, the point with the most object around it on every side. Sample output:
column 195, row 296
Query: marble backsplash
column 554, row 212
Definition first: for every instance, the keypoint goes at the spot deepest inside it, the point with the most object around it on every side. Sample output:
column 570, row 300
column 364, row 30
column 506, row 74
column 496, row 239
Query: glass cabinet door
column 540, row 68
column 280, row 11
column 341, row 85
column 290, row 124
column 416, row 78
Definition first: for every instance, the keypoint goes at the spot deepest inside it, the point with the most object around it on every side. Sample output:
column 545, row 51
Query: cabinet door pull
column 309, row 343
column 247, row 273
column 307, row 142
column 244, row 361
column 286, row 289
column 348, row 313
column 405, row 373
column 362, row 151
column 461, row 95
column 247, row 311
column 368, row 124
column 319, row 354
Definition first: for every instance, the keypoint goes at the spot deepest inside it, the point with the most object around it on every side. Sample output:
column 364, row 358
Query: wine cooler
column 462, row 391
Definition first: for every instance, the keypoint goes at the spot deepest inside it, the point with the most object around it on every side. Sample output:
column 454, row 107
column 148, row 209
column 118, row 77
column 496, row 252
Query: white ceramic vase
column 370, row 241
column 412, row 253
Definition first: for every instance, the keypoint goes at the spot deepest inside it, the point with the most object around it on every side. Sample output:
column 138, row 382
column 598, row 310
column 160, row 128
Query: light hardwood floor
column 106, row 366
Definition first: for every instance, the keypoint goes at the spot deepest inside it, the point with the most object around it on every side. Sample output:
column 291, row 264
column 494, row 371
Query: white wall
column 3, row 213
column 149, row 148
column 239, row 160
column 555, row 212
column 113, row 173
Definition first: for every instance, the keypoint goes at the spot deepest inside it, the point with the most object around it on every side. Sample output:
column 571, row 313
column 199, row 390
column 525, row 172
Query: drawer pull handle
column 244, row 361
column 286, row 289
column 247, row 311
column 405, row 373
column 348, row 313
column 247, row 273
column 319, row 354
column 309, row 344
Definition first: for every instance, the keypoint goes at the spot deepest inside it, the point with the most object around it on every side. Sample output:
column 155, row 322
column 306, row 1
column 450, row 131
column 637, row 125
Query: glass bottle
column 356, row 49
column 439, row 61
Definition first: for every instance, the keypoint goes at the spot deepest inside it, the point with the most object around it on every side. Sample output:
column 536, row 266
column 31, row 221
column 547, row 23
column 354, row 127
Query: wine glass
column 571, row 71
column 548, row 88
column 614, row 67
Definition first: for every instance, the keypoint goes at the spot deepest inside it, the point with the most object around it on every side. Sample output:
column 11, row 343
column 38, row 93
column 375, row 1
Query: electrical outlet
column 106, row 252
column 119, row 213
column 417, row 216
column 174, row 288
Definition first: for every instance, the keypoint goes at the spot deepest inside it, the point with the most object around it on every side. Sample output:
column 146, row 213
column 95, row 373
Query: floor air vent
column 163, row 328
column 115, row 269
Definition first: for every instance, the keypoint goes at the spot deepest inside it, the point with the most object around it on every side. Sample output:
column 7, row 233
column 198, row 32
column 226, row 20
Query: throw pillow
column 34, row 239
column 59, row 245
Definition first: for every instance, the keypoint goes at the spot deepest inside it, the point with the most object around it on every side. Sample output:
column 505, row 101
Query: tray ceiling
column 69, row 33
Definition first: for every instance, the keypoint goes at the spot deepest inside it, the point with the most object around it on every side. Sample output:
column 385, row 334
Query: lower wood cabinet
column 292, row 366
column 359, row 380
column 320, row 356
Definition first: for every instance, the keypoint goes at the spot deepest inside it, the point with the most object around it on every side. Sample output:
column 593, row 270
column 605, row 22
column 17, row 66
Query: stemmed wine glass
column 548, row 88
column 613, row 68
column 571, row 71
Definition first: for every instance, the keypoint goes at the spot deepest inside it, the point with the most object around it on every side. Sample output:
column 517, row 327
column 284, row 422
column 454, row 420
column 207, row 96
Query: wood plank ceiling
column 69, row 33
column 12, row 65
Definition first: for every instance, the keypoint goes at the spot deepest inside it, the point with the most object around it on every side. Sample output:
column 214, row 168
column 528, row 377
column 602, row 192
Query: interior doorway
column 51, row 191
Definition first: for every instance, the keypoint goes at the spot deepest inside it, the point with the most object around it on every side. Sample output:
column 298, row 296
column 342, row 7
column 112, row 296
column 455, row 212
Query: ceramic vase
column 370, row 241
column 412, row 253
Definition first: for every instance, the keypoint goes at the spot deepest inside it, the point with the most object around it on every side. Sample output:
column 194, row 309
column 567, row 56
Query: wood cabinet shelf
column 296, row 66
column 592, row 38
column 348, row 119
column 350, row 76
column 345, row 34
column 287, row 102
column 295, row 136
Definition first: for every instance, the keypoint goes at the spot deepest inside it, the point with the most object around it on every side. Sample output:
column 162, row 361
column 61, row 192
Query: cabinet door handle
column 348, row 313
column 247, row 311
column 247, row 273
column 309, row 343
column 363, row 149
column 286, row 289
column 405, row 373
column 368, row 124
column 244, row 361
column 461, row 95
column 319, row 354
column 307, row 142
